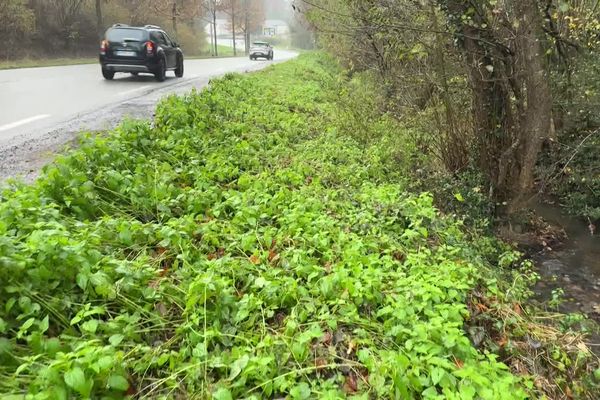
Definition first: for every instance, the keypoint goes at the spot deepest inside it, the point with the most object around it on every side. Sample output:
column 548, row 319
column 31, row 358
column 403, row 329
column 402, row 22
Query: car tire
column 108, row 75
column 161, row 70
column 179, row 69
column 251, row 58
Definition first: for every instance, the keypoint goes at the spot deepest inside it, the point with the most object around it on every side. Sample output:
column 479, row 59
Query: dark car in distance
column 135, row 50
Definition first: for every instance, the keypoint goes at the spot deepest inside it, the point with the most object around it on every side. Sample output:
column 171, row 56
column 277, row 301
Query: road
column 42, row 109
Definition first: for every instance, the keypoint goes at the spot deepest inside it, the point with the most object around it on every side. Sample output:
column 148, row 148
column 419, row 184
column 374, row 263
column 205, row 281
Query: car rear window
column 260, row 44
column 125, row 34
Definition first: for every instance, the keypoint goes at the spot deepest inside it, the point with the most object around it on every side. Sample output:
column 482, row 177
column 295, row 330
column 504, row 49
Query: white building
column 275, row 27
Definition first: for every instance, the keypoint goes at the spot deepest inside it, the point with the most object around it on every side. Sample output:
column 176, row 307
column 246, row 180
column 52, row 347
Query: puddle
column 574, row 266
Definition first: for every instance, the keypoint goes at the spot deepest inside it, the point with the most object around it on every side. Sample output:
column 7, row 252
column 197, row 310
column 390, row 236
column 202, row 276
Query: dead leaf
column 459, row 364
column 131, row 390
column 502, row 341
column 583, row 348
column 517, row 308
column 568, row 392
column 350, row 385
column 351, row 347
column 327, row 338
column 161, row 309
column 255, row 260
column 399, row 256
column 273, row 256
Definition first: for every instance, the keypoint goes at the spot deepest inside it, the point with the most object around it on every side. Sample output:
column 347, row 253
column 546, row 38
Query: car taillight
column 103, row 47
column 149, row 48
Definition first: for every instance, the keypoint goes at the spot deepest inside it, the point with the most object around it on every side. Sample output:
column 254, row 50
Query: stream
column 574, row 266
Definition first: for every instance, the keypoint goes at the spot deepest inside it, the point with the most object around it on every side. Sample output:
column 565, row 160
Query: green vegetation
column 249, row 244
column 505, row 88
column 224, row 51
column 49, row 62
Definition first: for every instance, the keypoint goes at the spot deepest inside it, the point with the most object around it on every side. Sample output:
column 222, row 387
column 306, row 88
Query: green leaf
column 82, row 280
column 75, row 379
column 564, row 6
column 105, row 363
column 238, row 366
column 90, row 326
column 301, row 391
column 118, row 382
column 27, row 324
column 459, row 197
column 44, row 324
column 222, row 394
column 260, row 282
column 436, row 375
column 116, row 339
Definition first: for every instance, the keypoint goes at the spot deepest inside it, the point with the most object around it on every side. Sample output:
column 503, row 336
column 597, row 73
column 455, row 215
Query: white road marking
column 133, row 90
column 23, row 122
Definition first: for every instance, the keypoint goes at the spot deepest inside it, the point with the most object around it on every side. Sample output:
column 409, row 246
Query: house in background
column 275, row 27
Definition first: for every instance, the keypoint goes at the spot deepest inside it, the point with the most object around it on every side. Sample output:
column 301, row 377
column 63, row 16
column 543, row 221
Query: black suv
column 146, row 49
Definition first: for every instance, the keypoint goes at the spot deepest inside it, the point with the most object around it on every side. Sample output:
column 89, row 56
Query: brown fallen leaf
column 517, row 308
column 502, row 341
column 350, row 385
column 273, row 256
column 255, row 260
column 327, row 338
column 459, row 363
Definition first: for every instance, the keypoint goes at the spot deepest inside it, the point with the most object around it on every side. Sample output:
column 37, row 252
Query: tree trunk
column 174, row 17
column 512, row 102
column 99, row 19
column 212, row 39
column 535, row 120
column 233, row 26
column 454, row 150
column 214, row 16
column 246, row 28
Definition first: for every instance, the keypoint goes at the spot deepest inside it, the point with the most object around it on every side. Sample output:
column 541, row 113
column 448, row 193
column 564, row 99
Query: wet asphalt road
column 43, row 109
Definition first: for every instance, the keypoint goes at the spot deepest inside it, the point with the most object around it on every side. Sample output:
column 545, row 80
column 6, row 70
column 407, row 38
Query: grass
column 46, row 62
column 258, row 240
column 224, row 51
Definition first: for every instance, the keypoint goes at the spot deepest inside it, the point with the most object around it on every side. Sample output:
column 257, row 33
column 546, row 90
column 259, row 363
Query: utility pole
column 99, row 18
column 233, row 26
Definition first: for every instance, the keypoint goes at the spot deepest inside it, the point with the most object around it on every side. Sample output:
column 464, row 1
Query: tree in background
column 18, row 22
column 57, row 28
column 211, row 10
column 245, row 17
column 232, row 9
column 250, row 19
column 495, row 46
